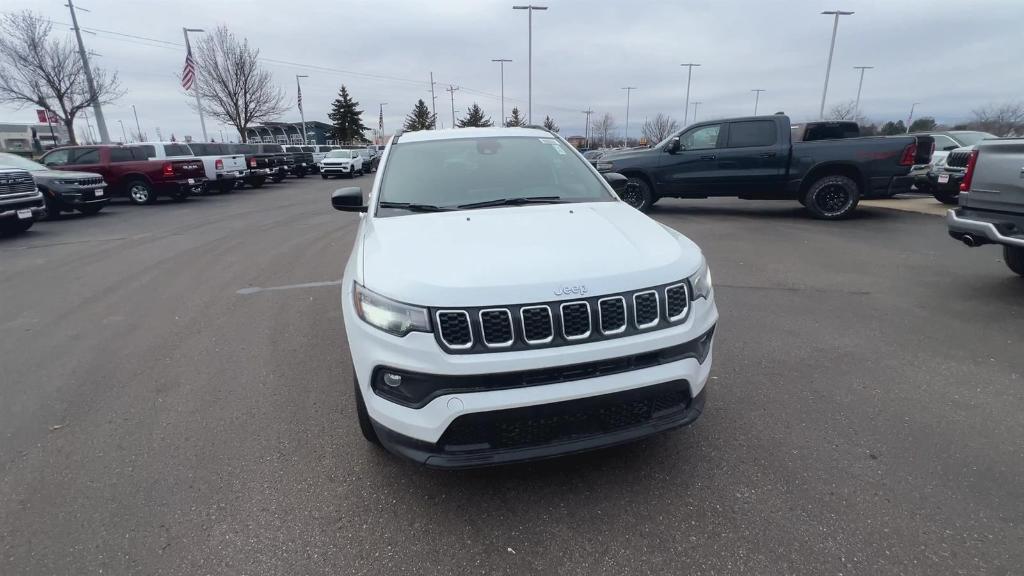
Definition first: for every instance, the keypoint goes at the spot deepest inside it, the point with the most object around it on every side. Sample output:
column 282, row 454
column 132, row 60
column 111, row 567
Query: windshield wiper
column 413, row 207
column 514, row 201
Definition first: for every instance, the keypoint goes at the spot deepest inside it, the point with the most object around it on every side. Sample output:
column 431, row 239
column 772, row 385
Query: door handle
column 768, row 155
column 708, row 157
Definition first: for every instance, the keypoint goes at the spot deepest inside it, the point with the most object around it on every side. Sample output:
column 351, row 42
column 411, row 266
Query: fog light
column 393, row 380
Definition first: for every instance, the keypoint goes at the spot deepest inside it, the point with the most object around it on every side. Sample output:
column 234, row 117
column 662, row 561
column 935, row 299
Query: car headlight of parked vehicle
column 701, row 281
column 388, row 315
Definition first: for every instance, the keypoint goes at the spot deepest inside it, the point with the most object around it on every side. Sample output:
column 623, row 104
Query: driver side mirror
column 673, row 146
column 348, row 199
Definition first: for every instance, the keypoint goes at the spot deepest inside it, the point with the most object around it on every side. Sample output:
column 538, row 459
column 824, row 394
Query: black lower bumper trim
column 550, row 430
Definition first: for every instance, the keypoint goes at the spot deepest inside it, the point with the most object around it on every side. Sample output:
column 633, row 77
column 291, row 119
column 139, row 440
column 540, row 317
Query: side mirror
column 617, row 181
column 949, row 148
column 348, row 199
column 673, row 146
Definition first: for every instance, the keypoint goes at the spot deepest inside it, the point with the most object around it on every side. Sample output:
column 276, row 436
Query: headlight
column 66, row 182
column 390, row 316
column 701, row 281
column 604, row 165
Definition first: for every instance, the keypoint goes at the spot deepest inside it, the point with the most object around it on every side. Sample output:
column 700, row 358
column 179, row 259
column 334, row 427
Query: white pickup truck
column 222, row 168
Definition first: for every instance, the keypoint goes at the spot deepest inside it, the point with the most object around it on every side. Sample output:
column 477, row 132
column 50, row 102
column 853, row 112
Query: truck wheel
column 225, row 186
column 365, row 425
column 324, row 176
column 140, row 192
column 52, row 210
column 638, row 194
column 15, row 227
column 257, row 182
column 300, row 174
column 951, row 198
column 1014, row 257
column 832, row 197
column 180, row 196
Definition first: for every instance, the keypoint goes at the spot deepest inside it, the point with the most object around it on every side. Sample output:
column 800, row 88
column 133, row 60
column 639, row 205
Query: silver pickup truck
column 992, row 200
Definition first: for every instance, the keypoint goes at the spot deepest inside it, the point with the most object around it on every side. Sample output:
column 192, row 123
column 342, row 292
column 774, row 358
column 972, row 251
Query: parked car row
column 84, row 178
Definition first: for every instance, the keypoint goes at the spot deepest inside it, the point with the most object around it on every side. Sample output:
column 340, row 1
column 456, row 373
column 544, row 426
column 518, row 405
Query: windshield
column 468, row 170
column 339, row 154
column 971, row 138
column 15, row 161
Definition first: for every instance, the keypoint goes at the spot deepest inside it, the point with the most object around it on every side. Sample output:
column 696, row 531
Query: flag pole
column 195, row 79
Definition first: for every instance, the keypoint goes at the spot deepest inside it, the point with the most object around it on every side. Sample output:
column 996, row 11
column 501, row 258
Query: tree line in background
column 1000, row 119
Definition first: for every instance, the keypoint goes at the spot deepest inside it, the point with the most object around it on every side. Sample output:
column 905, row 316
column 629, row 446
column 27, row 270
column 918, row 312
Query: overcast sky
column 950, row 55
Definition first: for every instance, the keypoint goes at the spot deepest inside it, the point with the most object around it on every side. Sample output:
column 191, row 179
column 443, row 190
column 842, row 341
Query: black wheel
column 324, row 176
column 52, row 210
column 832, row 197
column 1014, row 258
column 300, row 174
column 225, row 186
column 951, row 198
column 140, row 192
column 637, row 194
column 94, row 209
column 179, row 196
column 277, row 179
column 257, row 182
column 365, row 425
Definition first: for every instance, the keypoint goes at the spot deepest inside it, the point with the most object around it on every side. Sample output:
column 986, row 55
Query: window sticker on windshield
column 554, row 144
column 548, row 140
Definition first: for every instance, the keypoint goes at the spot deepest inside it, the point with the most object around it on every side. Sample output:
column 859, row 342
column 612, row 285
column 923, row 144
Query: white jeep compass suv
column 502, row 304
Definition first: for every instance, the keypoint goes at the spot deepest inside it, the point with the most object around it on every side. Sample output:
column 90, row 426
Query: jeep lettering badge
column 566, row 290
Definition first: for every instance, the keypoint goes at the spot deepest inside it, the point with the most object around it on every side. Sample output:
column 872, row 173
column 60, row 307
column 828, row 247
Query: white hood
column 515, row 255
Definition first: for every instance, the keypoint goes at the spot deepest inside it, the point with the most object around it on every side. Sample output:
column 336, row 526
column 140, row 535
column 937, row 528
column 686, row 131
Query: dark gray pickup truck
column 992, row 200
column 757, row 158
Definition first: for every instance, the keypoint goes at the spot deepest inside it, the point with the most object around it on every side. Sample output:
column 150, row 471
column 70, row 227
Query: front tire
column 365, row 425
column 225, row 186
column 832, row 197
column 15, row 227
column 140, row 192
column 639, row 196
column 951, row 198
column 324, row 176
column 1014, row 258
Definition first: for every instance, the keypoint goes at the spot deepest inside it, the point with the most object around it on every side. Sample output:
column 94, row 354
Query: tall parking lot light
column 831, row 50
column 529, row 85
column 757, row 97
column 860, row 84
column 625, row 139
column 689, row 75
column 502, row 61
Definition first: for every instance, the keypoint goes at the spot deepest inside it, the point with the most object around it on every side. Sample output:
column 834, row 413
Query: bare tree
column 602, row 128
column 846, row 111
column 658, row 128
column 234, row 88
column 36, row 69
column 1001, row 120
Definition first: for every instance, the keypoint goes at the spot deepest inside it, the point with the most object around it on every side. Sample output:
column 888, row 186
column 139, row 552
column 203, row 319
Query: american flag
column 380, row 121
column 188, row 74
column 299, row 86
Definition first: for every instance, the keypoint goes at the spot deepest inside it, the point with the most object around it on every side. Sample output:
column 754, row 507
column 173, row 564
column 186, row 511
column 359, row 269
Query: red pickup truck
column 129, row 172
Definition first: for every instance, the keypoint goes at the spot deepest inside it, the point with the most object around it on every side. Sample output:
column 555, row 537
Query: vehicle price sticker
column 24, row 214
column 943, row 178
column 99, row 192
column 554, row 144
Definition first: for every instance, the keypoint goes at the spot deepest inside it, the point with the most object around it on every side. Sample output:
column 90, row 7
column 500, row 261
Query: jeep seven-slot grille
column 957, row 159
column 560, row 323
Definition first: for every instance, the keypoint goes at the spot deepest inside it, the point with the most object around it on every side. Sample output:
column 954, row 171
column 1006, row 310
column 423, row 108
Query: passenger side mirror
column 348, row 199
column 673, row 146
column 949, row 148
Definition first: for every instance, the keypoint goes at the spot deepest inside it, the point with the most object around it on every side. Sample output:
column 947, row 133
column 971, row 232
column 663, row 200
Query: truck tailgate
column 188, row 168
column 234, row 163
column 998, row 180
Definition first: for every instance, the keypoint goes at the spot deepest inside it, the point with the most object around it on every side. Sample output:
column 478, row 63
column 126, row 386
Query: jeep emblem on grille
column 567, row 290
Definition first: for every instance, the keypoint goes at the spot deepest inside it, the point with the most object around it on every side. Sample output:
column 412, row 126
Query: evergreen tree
column 516, row 120
column 347, row 118
column 550, row 124
column 475, row 118
column 891, row 128
column 420, row 118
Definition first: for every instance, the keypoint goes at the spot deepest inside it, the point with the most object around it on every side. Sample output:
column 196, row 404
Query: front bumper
column 34, row 203
column 78, row 197
column 987, row 227
column 419, row 352
column 335, row 169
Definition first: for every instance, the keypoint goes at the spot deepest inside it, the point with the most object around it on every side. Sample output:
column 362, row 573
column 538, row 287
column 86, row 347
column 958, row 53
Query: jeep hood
column 514, row 255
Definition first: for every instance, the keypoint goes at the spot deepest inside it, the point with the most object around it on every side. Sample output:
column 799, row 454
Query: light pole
column 832, row 48
column 195, row 81
column 689, row 74
column 529, row 86
column 586, row 129
column 123, row 134
column 628, row 89
column 695, row 105
column 138, row 130
column 380, row 122
column 860, row 85
column 911, row 117
column 101, row 122
column 501, row 62
column 451, row 89
column 302, row 115
column 757, row 97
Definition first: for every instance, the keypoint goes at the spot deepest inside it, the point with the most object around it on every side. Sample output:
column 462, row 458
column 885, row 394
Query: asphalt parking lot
column 160, row 415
